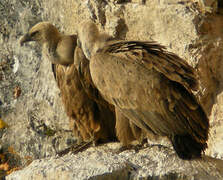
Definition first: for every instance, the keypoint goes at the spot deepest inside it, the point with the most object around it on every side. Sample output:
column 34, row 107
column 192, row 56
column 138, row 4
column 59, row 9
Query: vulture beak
column 25, row 38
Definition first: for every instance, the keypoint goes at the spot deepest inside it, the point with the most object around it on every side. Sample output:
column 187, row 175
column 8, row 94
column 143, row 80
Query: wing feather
column 156, row 56
column 82, row 65
column 185, row 115
column 148, row 97
column 185, row 111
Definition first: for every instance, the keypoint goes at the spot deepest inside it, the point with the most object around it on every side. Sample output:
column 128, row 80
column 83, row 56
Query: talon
column 82, row 147
column 76, row 148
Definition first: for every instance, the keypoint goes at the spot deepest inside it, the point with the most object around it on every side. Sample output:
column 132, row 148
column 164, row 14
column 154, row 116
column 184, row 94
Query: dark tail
column 187, row 147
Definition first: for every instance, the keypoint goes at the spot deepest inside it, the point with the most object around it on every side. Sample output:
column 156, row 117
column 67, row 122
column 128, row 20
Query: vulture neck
column 50, row 47
column 98, row 43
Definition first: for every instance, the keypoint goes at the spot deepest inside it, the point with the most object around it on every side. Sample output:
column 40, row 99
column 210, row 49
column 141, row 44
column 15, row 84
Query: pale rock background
column 38, row 126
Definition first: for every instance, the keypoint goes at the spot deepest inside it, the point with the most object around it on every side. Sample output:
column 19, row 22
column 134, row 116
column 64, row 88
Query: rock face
column 154, row 162
column 38, row 126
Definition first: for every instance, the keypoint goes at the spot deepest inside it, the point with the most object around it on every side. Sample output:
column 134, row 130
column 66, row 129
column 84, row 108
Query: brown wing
column 77, row 107
column 183, row 105
column 59, row 75
column 82, row 66
column 153, row 55
column 89, row 120
column 149, row 98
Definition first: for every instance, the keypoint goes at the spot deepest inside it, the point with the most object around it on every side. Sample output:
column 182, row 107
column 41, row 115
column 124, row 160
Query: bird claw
column 75, row 148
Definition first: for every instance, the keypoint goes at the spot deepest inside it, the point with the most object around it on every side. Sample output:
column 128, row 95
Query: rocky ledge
column 38, row 126
column 154, row 162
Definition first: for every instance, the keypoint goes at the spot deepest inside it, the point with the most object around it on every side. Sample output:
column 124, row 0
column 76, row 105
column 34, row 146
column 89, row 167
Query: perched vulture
column 149, row 86
column 89, row 120
column 126, row 131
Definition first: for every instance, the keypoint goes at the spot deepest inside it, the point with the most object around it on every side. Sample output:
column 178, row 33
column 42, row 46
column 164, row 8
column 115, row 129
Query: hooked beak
column 24, row 39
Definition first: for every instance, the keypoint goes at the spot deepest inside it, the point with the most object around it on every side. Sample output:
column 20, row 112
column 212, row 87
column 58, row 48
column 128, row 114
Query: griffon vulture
column 126, row 131
column 89, row 120
column 149, row 86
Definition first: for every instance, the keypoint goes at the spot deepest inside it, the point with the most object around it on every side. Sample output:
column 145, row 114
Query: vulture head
column 43, row 32
column 57, row 47
column 90, row 39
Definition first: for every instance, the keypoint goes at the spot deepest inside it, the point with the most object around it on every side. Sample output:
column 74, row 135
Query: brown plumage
column 126, row 131
column 83, row 69
column 89, row 120
column 150, row 86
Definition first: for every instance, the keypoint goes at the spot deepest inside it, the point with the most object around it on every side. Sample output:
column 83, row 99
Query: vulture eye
column 34, row 33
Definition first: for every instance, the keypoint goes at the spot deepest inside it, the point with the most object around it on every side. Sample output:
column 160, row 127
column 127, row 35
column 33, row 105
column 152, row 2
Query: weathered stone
column 154, row 162
column 38, row 126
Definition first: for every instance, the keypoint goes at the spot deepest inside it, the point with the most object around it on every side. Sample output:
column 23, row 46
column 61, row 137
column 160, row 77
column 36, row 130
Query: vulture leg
column 127, row 132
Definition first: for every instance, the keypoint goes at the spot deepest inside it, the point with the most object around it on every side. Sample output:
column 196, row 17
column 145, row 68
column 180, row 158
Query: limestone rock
column 154, row 162
column 38, row 126
column 193, row 34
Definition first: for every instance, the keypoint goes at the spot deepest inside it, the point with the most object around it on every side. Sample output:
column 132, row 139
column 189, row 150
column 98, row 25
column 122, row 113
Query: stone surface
column 154, row 162
column 38, row 126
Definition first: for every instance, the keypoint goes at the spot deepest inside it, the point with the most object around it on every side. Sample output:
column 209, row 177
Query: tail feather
column 187, row 147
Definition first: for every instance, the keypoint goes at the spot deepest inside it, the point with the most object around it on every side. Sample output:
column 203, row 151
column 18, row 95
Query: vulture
column 126, row 131
column 149, row 86
column 90, row 121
